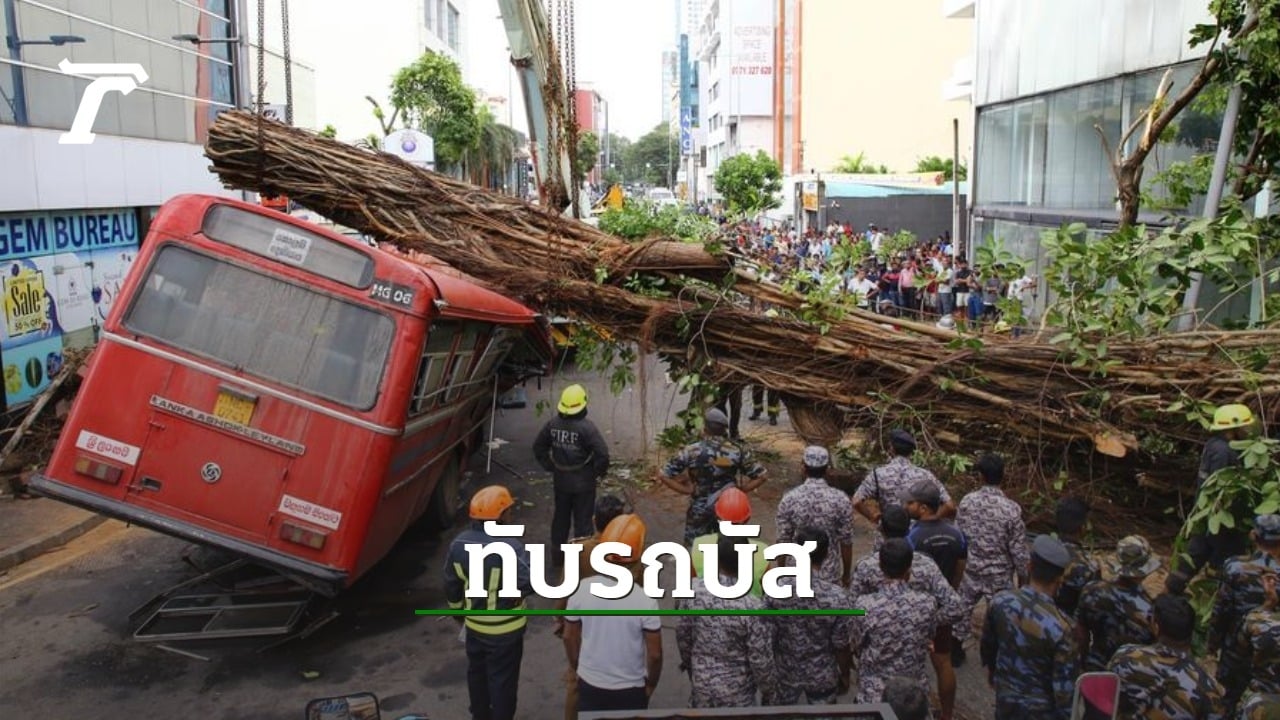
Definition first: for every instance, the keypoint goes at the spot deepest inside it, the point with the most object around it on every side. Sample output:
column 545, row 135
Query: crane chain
column 288, row 62
column 262, row 89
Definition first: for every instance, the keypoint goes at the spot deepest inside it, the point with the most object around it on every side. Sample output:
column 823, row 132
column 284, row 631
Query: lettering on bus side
column 289, row 247
column 310, row 512
column 108, row 447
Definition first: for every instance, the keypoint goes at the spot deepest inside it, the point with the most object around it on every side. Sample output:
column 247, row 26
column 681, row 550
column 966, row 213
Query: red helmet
column 733, row 506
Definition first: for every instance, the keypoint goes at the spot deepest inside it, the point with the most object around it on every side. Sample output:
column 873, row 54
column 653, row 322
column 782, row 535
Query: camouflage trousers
column 1233, row 673
column 974, row 589
column 796, row 695
column 700, row 519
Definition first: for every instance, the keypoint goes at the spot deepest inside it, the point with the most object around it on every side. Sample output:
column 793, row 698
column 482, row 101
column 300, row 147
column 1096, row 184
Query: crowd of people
column 1051, row 613
column 891, row 273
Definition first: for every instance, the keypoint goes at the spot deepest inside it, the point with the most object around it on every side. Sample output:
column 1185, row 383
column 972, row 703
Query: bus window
column 264, row 326
column 493, row 354
column 459, row 372
column 435, row 359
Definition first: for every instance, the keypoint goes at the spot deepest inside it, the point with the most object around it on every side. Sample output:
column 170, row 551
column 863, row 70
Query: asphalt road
column 67, row 649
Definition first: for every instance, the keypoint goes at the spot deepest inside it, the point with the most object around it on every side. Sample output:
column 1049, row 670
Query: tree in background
column 430, row 95
column 933, row 163
column 651, row 159
column 749, row 183
column 488, row 161
column 859, row 165
column 588, row 154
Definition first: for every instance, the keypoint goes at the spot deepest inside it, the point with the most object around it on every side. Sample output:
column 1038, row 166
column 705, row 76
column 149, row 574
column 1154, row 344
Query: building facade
column 871, row 77
column 73, row 209
column 592, row 112
column 1047, row 75
column 444, row 29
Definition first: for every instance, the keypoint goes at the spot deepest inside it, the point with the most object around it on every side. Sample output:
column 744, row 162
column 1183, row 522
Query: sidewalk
column 30, row 528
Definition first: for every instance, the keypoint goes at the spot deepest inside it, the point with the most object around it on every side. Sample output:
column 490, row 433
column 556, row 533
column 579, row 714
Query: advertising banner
column 751, row 58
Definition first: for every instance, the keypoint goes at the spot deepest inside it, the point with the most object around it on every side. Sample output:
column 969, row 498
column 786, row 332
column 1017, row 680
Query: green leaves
column 638, row 221
column 749, row 183
column 431, row 95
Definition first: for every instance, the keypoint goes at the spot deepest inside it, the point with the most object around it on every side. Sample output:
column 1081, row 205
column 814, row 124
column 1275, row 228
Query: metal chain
column 288, row 63
column 262, row 72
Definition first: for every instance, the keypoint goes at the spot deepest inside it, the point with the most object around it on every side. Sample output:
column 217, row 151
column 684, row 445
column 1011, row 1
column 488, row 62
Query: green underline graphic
column 638, row 613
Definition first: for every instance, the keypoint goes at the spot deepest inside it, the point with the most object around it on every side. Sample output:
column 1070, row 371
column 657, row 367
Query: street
column 68, row 650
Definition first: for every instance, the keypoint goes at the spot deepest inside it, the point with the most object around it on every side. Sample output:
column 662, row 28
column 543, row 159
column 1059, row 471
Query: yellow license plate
column 234, row 408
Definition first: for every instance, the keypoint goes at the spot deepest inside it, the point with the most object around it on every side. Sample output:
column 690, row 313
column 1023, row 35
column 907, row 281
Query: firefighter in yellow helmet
column 571, row 448
column 1230, row 423
column 495, row 643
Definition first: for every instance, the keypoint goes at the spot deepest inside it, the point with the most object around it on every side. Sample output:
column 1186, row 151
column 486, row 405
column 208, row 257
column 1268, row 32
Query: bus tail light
column 98, row 470
column 313, row 539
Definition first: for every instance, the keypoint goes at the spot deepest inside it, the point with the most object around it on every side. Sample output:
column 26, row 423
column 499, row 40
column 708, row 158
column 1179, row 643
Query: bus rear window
column 288, row 244
column 264, row 326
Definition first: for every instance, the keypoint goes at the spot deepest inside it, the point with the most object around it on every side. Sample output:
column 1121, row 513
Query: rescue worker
column 893, row 637
column 706, row 467
column 608, row 507
column 758, row 394
column 941, row 540
column 867, row 577
column 1069, row 520
column 730, row 402
column 495, row 643
column 729, row 658
column 1259, row 640
column 1230, row 423
column 1029, row 645
column 888, row 484
column 812, row 651
column 1163, row 681
column 997, row 545
column 732, row 506
column 617, row 658
column 1241, row 591
column 1118, row 612
column 571, row 448
column 816, row 504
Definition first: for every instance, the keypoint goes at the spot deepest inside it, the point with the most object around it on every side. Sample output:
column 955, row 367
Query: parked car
column 662, row 197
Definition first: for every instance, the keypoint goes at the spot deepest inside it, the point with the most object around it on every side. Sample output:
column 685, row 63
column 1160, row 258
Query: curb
column 40, row 545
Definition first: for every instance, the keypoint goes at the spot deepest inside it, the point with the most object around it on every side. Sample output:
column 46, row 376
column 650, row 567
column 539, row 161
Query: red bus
column 289, row 394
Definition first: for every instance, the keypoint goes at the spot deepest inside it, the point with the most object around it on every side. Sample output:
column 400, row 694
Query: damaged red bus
column 286, row 393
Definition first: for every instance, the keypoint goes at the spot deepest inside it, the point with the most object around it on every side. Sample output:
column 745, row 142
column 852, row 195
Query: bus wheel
column 446, row 499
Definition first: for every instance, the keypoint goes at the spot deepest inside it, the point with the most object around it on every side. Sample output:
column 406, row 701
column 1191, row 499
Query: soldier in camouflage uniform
column 1118, row 612
column 1241, row 591
column 867, row 577
column 816, row 504
column 1163, row 681
column 997, row 545
column 893, row 637
column 1259, row 640
column 889, row 484
column 1069, row 521
column 1029, row 645
column 728, row 657
column 812, row 652
column 1260, row 707
column 709, row 466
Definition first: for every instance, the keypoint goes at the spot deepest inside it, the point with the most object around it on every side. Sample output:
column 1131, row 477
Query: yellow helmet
column 573, row 400
column 490, row 502
column 1231, row 416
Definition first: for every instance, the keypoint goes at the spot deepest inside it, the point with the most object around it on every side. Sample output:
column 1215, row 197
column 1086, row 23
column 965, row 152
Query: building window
column 455, row 19
column 432, row 18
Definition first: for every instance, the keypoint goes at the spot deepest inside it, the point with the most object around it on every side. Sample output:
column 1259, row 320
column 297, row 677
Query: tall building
column 1039, row 160
column 592, row 112
column 74, row 208
column 735, row 81
column 443, row 29
column 895, row 113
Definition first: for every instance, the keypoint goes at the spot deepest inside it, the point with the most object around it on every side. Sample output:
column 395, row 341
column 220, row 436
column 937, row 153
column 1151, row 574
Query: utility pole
column 955, row 189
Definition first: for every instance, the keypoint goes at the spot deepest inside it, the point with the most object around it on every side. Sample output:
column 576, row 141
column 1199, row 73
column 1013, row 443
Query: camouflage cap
column 816, row 457
column 1267, row 527
column 924, row 491
column 715, row 416
column 1134, row 558
column 901, row 438
column 1051, row 550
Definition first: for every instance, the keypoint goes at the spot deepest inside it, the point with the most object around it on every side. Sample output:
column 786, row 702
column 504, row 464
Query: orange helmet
column 628, row 530
column 733, row 506
column 489, row 502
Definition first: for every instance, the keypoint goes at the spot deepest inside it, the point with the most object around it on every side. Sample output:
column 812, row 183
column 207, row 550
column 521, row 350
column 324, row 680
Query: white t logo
column 120, row 77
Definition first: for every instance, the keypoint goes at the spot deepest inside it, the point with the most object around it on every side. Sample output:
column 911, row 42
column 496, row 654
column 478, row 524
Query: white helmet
column 946, row 323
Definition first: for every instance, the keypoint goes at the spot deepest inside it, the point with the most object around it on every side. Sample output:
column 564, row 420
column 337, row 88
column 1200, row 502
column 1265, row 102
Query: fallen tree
column 846, row 370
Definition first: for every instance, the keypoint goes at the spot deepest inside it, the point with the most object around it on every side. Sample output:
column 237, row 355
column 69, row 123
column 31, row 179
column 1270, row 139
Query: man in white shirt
column 618, row 658
column 862, row 288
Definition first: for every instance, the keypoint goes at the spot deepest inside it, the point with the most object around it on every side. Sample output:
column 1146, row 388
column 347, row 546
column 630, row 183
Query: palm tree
column 486, row 163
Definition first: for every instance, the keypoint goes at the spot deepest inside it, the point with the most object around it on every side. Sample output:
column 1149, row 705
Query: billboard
column 751, row 58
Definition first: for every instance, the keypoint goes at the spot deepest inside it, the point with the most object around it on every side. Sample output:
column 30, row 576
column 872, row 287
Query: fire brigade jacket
column 456, row 579
column 573, row 451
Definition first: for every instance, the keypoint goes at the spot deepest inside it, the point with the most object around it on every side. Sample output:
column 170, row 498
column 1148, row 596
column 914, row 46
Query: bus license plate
column 234, row 408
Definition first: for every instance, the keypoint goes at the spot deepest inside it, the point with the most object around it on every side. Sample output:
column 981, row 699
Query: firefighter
column 704, row 468
column 733, row 506
column 575, row 453
column 495, row 643
column 758, row 393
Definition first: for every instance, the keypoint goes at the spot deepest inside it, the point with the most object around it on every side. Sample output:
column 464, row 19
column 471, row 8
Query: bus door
column 222, row 443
